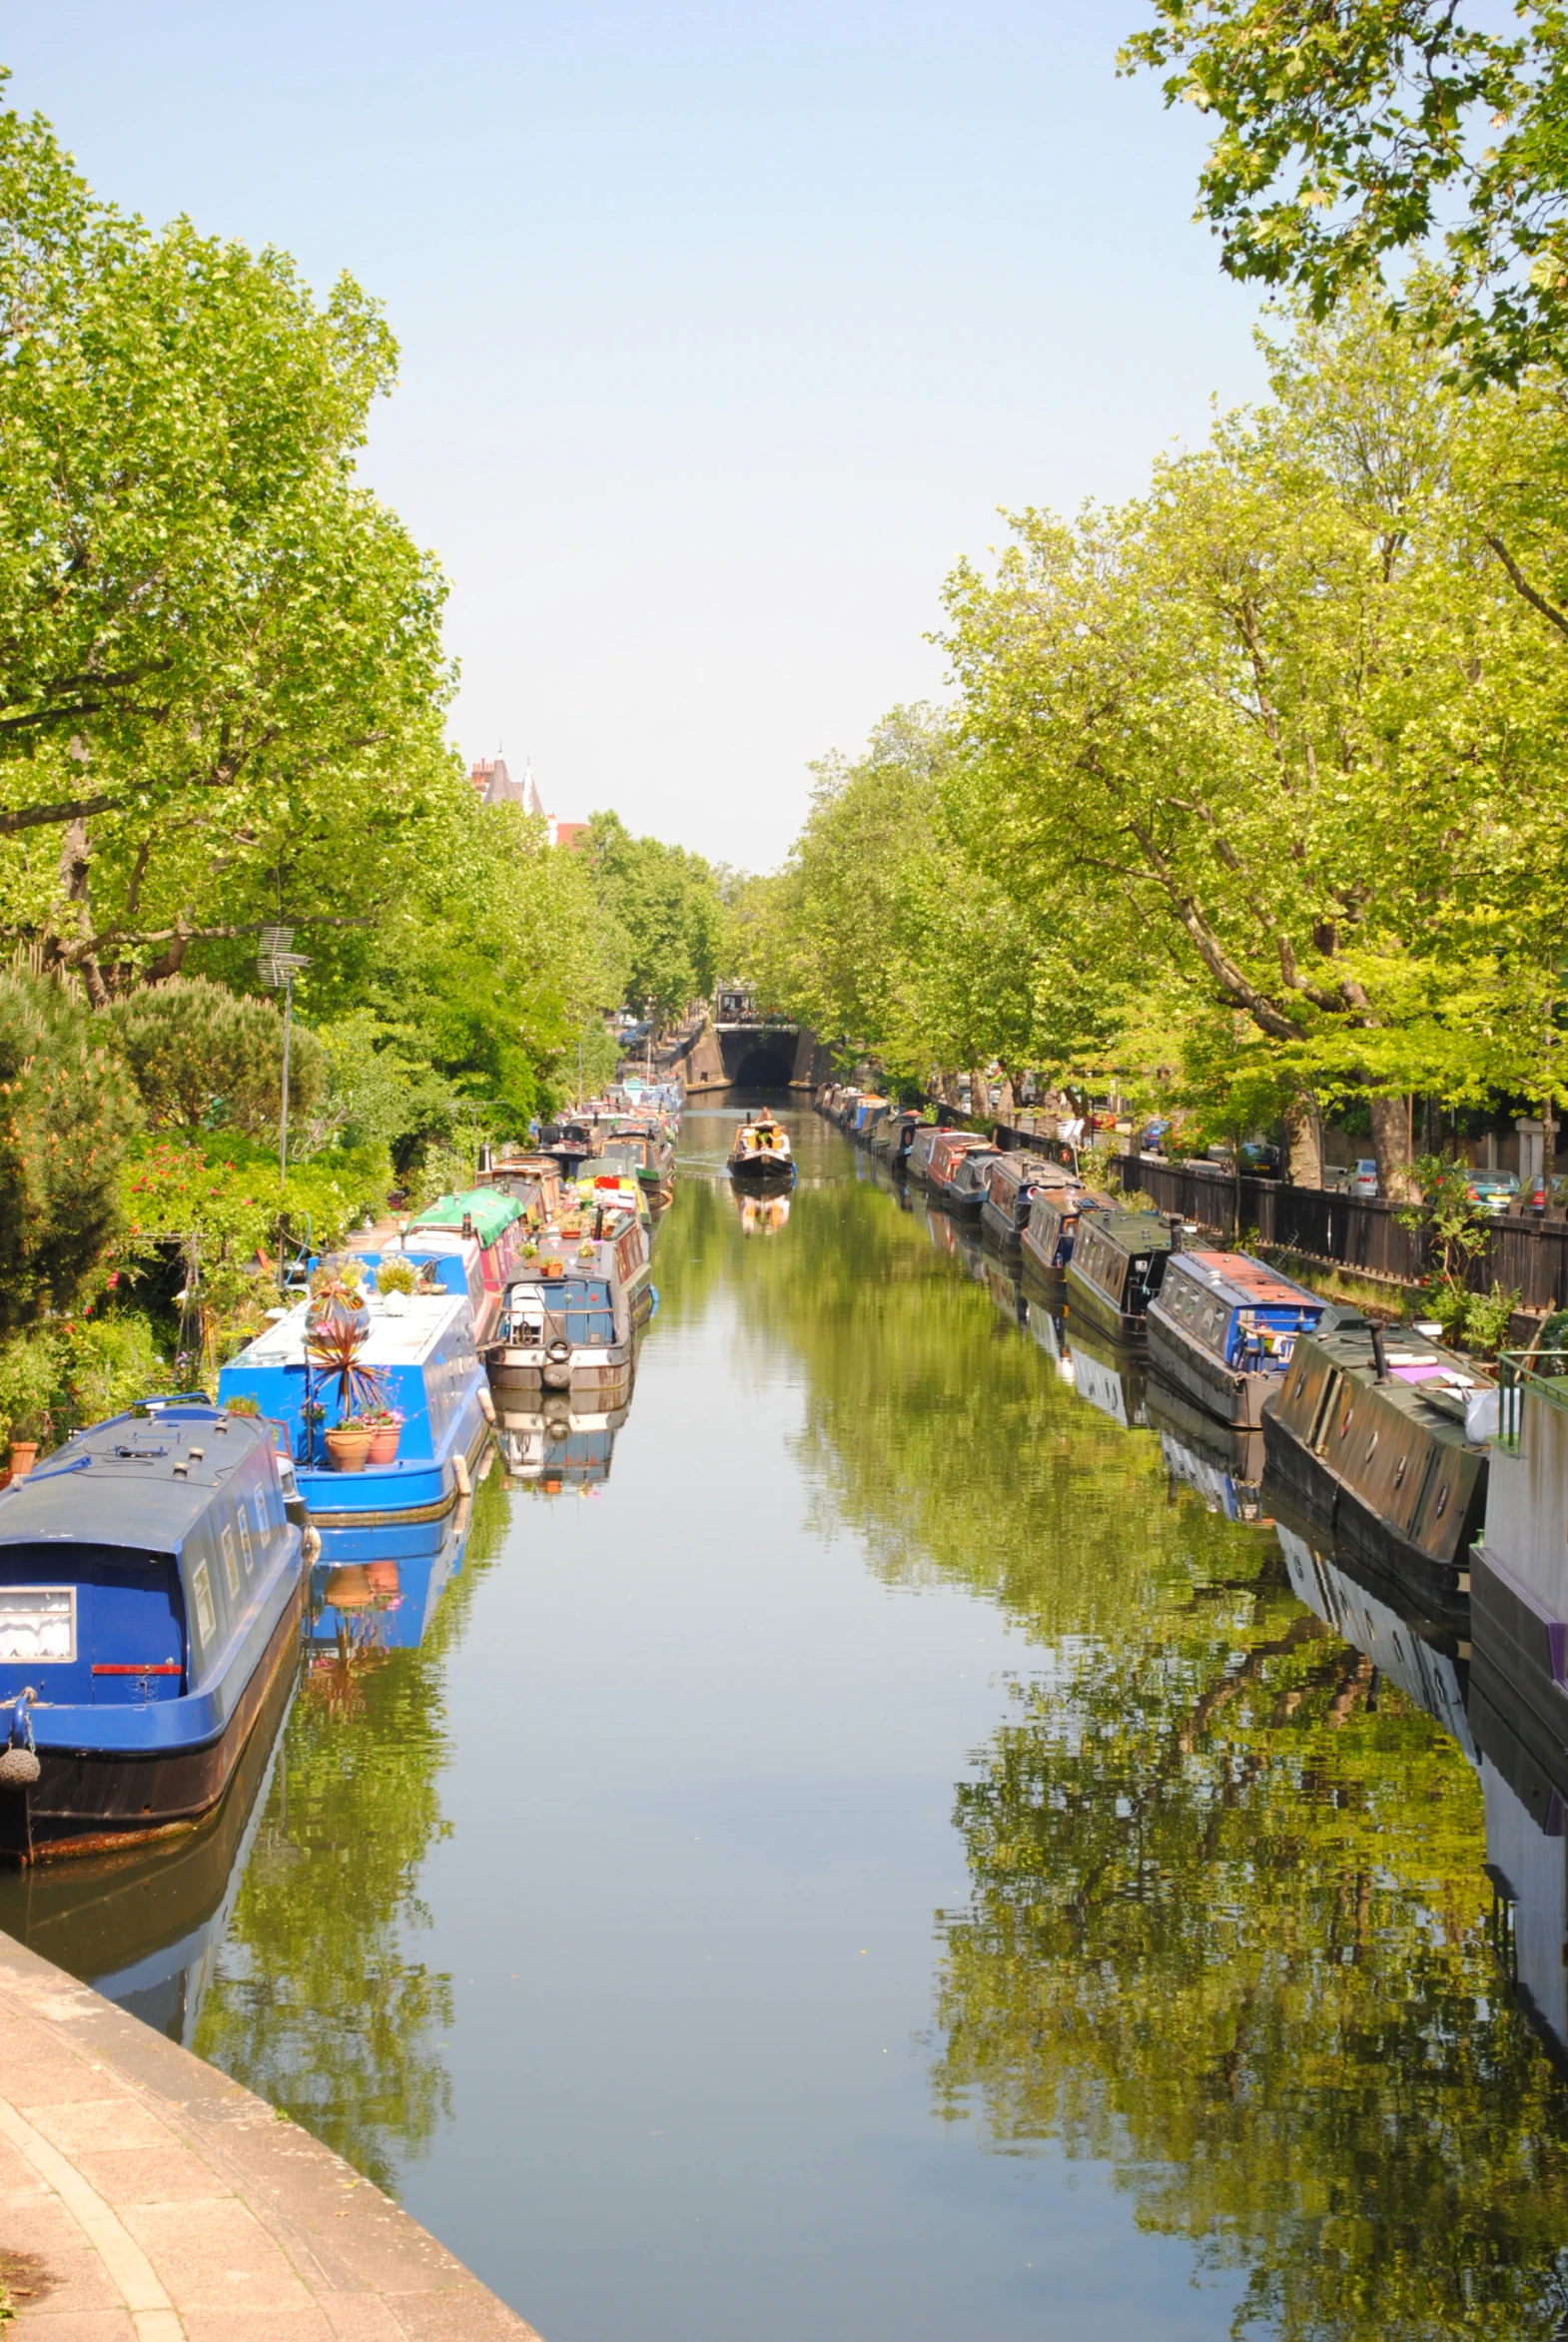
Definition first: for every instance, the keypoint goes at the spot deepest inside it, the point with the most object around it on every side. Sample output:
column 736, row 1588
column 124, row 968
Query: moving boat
column 1014, row 1182
column 1119, row 1259
column 413, row 1355
column 1383, row 1435
column 1054, row 1214
column 150, row 1585
column 1223, row 1328
column 571, row 1319
column 760, row 1156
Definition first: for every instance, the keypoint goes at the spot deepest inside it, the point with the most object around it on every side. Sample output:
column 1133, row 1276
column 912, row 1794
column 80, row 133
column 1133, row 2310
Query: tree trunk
column 1305, row 1156
column 1392, row 1145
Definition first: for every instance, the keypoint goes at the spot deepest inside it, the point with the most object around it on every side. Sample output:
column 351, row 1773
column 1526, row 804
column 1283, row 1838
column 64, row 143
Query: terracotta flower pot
column 348, row 1447
column 348, row 1588
column 384, row 1444
column 24, row 1454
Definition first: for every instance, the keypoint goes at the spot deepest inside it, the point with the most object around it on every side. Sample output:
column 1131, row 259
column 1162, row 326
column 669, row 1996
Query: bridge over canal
column 735, row 1048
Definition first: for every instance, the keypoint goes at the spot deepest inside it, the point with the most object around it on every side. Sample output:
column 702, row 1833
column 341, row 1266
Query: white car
column 1364, row 1179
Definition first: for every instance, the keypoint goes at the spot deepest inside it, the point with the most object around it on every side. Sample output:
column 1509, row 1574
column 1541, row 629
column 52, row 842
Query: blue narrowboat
column 151, row 1587
column 1223, row 1328
column 420, row 1349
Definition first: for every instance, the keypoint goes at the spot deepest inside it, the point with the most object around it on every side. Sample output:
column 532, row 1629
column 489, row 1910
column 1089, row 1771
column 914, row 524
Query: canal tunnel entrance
column 765, row 1068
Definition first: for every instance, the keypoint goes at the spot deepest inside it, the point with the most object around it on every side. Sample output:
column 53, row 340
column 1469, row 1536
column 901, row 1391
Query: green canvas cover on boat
column 491, row 1213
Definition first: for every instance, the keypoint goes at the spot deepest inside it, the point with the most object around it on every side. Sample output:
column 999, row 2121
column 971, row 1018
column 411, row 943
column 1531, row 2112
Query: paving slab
column 159, row 2201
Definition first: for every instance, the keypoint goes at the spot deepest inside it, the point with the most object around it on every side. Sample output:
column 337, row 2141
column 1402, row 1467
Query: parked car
column 1152, row 1139
column 1364, row 1179
column 1493, row 1190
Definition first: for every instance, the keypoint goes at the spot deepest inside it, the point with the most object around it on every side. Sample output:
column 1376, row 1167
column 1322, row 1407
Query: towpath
column 145, row 2198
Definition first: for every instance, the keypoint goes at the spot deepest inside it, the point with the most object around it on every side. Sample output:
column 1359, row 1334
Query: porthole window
column 1442, row 1501
column 1345, row 1425
column 1371, row 1447
column 1399, row 1471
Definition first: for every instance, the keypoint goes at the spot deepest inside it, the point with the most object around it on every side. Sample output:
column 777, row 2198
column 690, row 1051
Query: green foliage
column 666, row 907
column 201, row 1055
column 58, row 1376
column 1487, row 1319
column 1350, row 133
column 66, row 1112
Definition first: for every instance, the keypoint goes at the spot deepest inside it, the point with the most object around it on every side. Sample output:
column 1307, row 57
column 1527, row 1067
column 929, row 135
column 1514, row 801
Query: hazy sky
column 726, row 329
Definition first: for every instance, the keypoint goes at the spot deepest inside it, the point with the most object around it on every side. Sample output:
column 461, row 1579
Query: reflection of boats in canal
column 960, row 1242
column 1006, row 1293
column 556, row 1448
column 1524, row 1783
column 1382, row 1435
column 761, row 1215
column 1427, row 1660
column 1222, row 1463
column 1111, row 1377
column 144, row 1927
column 1048, row 1328
column 361, row 1607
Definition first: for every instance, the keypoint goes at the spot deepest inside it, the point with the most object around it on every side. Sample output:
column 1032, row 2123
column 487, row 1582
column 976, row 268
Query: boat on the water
column 150, row 1586
column 493, row 1219
column 894, row 1135
column 1119, row 1259
column 533, row 1181
column 1519, row 1567
column 1223, row 1328
column 1381, row 1434
column 410, row 1357
column 1013, row 1183
column 638, row 1144
column 934, row 1150
column 958, row 1180
column 571, row 1319
column 1052, row 1227
column 761, row 1155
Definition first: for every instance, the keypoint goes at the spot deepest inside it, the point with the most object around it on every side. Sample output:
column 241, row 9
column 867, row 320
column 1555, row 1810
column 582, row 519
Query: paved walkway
column 145, row 2197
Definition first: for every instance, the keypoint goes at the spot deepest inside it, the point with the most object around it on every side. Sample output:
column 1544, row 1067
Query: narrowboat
column 1424, row 1656
column 571, row 1319
column 1382, row 1436
column 1118, row 1259
column 1014, row 1182
column 1524, row 1792
column 1223, row 1328
column 868, row 1111
column 532, row 1181
column 1222, row 1463
column 1111, row 1377
column 960, row 1181
column 150, row 1586
column 934, row 1152
column 495, row 1222
column 554, row 1447
column 1054, row 1214
column 922, row 1140
column 1519, row 1568
column 894, row 1135
column 642, row 1148
column 760, row 1156
column 571, row 1142
column 596, row 1206
column 415, row 1359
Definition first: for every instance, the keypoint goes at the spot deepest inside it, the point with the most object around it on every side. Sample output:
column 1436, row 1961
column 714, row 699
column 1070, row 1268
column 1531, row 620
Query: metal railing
column 1543, row 1371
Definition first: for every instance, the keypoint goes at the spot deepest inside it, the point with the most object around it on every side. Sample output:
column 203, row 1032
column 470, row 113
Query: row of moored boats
column 155, row 1570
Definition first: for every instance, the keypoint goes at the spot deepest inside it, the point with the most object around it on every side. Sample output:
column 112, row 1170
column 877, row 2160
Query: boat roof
column 401, row 1337
column 116, row 1484
column 1136, row 1232
column 489, row 1212
column 1246, row 1282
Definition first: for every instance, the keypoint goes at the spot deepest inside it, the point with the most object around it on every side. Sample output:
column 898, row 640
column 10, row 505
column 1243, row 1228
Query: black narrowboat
column 1054, row 1214
column 1014, row 1182
column 1119, row 1259
column 1381, row 1434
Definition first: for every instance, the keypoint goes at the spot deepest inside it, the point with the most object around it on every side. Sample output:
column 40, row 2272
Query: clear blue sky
column 726, row 329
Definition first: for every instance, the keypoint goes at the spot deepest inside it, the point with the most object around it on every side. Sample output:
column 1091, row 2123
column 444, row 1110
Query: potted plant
column 338, row 1296
column 348, row 1445
column 395, row 1280
column 384, row 1426
column 243, row 1404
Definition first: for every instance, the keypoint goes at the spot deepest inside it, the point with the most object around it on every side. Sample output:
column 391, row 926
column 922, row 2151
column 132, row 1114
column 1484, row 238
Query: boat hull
column 1232, row 1397
column 94, row 1802
column 774, row 1176
column 383, row 1514
column 1000, row 1230
column 1088, row 1301
column 1333, row 1503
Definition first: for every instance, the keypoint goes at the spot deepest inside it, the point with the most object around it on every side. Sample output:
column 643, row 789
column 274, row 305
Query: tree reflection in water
column 318, row 2004
column 1229, row 1924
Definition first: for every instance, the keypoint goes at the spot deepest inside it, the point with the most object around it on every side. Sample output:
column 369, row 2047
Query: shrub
column 1487, row 1319
column 67, row 1111
column 201, row 1054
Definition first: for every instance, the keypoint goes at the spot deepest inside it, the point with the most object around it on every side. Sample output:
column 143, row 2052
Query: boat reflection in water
column 555, row 1449
column 760, row 1215
column 144, row 1928
column 1422, row 1656
column 360, row 1609
column 1047, row 1325
column 1111, row 1378
column 1220, row 1462
column 1524, row 1782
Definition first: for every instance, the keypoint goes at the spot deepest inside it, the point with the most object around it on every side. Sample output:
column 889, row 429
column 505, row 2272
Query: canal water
column 894, row 1859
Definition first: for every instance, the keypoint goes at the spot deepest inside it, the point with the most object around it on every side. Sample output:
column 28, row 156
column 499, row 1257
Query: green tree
column 665, row 904
column 202, row 1054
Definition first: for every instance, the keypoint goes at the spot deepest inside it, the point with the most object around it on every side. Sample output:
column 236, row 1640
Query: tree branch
column 1521, row 584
